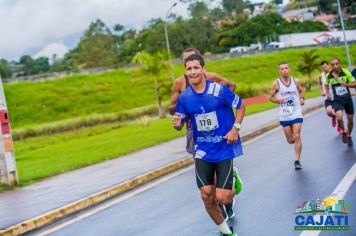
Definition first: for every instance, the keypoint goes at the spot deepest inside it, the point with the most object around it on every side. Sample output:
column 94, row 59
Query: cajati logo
column 328, row 214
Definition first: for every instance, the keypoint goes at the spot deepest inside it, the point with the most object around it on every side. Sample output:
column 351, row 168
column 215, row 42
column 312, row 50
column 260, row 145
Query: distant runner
column 341, row 81
column 216, row 133
column 288, row 94
column 328, row 103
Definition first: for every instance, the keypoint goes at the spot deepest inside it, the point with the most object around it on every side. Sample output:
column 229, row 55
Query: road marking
column 339, row 192
column 117, row 200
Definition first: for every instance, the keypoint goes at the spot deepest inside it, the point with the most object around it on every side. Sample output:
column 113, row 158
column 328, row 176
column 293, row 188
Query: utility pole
column 343, row 31
column 8, row 172
column 167, row 40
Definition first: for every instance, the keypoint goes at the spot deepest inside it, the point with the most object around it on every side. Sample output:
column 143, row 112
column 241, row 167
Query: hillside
column 116, row 91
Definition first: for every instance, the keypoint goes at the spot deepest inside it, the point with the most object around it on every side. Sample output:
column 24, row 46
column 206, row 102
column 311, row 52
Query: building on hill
column 328, row 20
column 300, row 14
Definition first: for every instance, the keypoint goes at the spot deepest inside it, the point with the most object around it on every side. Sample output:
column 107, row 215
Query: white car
column 275, row 45
column 239, row 49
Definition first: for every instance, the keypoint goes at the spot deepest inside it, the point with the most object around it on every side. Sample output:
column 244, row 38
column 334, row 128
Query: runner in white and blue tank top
column 290, row 112
column 288, row 94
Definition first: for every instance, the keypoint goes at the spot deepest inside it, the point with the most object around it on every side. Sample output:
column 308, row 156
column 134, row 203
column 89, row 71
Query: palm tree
column 307, row 65
column 152, row 65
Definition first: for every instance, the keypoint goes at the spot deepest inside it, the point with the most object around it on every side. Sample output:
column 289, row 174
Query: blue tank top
column 212, row 118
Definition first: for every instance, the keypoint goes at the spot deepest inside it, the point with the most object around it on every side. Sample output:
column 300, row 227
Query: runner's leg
column 289, row 134
column 298, row 141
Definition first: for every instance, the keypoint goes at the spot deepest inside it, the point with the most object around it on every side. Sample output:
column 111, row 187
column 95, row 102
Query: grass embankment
column 49, row 155
column 83, row 96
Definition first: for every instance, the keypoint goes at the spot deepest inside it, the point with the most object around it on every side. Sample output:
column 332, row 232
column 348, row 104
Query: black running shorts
column 328, row 102
column 346, row 105
column 205, row 173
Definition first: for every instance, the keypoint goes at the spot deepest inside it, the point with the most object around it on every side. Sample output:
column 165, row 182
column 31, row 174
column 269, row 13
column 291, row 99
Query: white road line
column 117, row 200
column 339, row 192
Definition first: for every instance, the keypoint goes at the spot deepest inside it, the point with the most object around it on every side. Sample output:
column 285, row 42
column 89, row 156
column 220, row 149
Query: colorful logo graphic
column 326, row 38
column 328, row 214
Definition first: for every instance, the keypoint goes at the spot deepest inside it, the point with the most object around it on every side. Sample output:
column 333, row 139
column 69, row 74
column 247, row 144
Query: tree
column 199, row 10
column 152, row 65
column 307, row 65
column 5, row 71
column 231, row 6
column 97, row 47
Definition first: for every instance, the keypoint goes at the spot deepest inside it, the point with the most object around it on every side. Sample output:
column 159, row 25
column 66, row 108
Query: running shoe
column 223, row 212
column 232, row 234
column 349, row 141
column 339, row 130
column 297, row 165
column 238, row 181
column 230, row 209
column 333, row 121
column 344, row 137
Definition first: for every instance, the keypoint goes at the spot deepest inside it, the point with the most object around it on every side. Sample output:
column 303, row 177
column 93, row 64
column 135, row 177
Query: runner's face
column 336, row 65
column 194, row 71
column 325, row 67
column 284, row 70
column 185, row 55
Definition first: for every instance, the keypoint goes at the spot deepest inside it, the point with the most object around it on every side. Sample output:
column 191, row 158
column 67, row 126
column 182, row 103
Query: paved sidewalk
column 28, row 202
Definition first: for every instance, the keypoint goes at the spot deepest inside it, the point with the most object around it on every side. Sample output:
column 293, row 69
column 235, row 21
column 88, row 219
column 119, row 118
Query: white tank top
column 291, row 108
column 323, row 80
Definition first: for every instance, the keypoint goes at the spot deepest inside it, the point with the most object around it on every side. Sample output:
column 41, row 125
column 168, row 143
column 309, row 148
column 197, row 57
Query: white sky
column 45, row 27
column 48, row 26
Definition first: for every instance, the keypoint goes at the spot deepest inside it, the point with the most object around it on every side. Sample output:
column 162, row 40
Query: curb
column 99, row 197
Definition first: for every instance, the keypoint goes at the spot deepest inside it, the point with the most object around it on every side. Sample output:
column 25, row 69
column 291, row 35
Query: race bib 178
column 207, row 121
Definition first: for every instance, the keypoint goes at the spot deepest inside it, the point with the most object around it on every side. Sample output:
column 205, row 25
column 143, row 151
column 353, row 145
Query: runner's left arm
column 234, row 101
column 300, row 91
column 351, row 82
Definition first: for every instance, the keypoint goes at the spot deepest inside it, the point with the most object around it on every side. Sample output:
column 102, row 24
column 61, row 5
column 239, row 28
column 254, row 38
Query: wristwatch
column 237, row 126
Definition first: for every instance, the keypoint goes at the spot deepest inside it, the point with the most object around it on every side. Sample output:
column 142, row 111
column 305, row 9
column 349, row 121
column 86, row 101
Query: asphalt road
column 266, row 205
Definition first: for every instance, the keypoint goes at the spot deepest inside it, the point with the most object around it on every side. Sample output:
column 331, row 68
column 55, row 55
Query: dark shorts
column 328, row 102
column 205, row 173
column 291, row 122
column 347, row 105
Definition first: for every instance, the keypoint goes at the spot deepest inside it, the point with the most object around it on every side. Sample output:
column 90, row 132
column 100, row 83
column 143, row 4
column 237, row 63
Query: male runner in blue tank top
column 215, row 130
column 182, row 82
column 179, row 85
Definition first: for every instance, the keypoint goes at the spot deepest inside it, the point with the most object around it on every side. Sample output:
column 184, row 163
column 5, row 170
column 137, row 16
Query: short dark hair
column 196, row 51
column 324, row 62
column 335, row 58
column 195, row 57
column 282, row 63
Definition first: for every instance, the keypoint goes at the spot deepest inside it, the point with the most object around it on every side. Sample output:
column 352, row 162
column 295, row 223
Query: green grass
column 45, row 156
column 79, row 96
